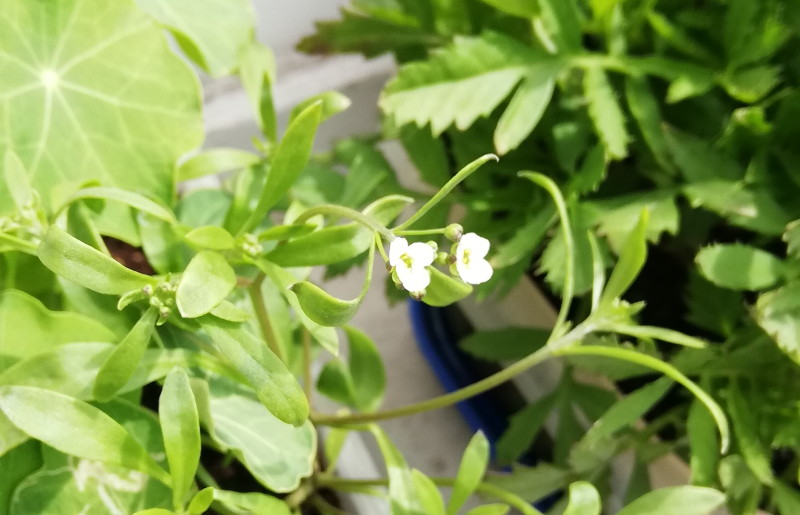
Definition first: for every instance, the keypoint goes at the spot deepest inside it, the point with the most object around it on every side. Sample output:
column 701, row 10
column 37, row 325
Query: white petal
column 414, row 279
column 397, row 248
column 478, row 271
column 421, row 254
column 478, row 246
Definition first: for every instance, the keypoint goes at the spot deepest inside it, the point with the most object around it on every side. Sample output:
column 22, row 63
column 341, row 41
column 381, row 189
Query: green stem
column 496, row 379
column 420, row 232
column 19, row 244
column 324, row 506
column 447, row 188
column 260, row 308
column 345, row 212
column 308, row 384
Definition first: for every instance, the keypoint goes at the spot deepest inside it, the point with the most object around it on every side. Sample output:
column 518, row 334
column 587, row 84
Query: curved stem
column 472, row 390
column 345, row 212
column 260, row 308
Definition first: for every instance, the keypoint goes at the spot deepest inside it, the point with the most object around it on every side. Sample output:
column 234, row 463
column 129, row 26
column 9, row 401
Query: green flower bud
column 453, row 232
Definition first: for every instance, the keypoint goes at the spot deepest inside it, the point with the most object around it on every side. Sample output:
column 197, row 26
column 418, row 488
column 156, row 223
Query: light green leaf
column 792, row 238
column 332, row 102
column 274, row 385
column 676, row 500
column 215, row 161
column 583, row 499
column 402, row 493
column 28, row 328
column 786, row 498
column 120, row 365
column 746, row 427
column 526, row 107
column 285, row 232
column 201, row 501
column 212, row 32
column 465, row 81
column 289, row 159
column 630, row 262
column 366, row 370
column 277, row 454
column 210, row 237
column 605, row 112
column 470, row 472
column 647, row 332
column 428, row 494
column 76, row 116
column 108, row 442
column 521, row 8
column 522, row 429
column 703, row 444
column 444, row 289
column 90, row 268
column 739, row 267
column 323, row 247
column 510, row 343
column 230, row 312
column 128, row 198
column 489, row 509
column 17, row 180
column 616, row 217
column 257, row 73
column 628, row 410
column 180, row 426
column 204, row 284
column 251, row 502
column 532, row 483
column 335, row 439
column 778, row 314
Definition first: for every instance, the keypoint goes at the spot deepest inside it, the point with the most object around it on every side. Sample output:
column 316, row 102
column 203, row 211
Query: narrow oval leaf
column 402, row 492
column 429, row 496
column 605, row 112
column 86, row 266
column 630, row 262
column 746, row 427
column 230, row 312
column 210, row 237
column 583, row 499
column 444, row 290
column 470, row 472
column 120, row 365
column 128, row 198
column 523, row 428
column 703, row 445
column 333, row 103
column 628, row 410
column 180, row 426
column 17, row 181
column 366, row 370
column 676, row 500
column 201, row 501
column 76, row 428
column 525, row 109
column 324, row 247
column 285, row 232
column 204, row 284
column 274, row 385
column 214, row 161
column 739, row 267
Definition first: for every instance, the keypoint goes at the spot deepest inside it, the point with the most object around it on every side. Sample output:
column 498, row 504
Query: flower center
column 405, row 258
column 465, row 257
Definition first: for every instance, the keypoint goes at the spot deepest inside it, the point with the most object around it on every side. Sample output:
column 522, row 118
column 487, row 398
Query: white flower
column 470, row 259
column 410, row 262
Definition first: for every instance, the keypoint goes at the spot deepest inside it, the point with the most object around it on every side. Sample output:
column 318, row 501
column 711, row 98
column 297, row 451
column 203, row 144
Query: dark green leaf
column 746, row 425
column 628, row 410
column 523, row 427
column 16, row 465
column 511, row 343
column 526, row 107
column 751, row 207
column 522, row 8
column 703, row 444
column 366, row 370
column 645, row 110
column 605, row 112
column 698, row 160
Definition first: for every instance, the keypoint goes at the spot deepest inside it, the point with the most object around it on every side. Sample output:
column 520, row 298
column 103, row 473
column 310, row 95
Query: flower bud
column 453, row 232
column 432, row 244
column 442, row 258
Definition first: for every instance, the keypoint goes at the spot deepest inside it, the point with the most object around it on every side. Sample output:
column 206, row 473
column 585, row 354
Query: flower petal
column 397, row 248
column 478, row 271
column 414, row 279
column 478, row 246
column 421, row 254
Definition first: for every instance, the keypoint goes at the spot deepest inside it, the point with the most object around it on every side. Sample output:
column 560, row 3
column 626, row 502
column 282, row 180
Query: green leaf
column 210, row 237
column 201, row 501
column 403, row 498
column 108, row 442
column 739, row 267
column 526, row 107
column 366, row 370
column 532, row 483
column 645, row 110
column 275, row 387
column 334, row 442
column 792, row 238
column 323, row 247
column 746, row 428
column 605, row 112
column 212, row 33
column 251, row 502
column 521, row 8
column 630, row 262
column 510, row 343
column 427, row 153
column 470, row 472
column 17, row 180
column 646, row 332
column 180, row 426
column 523, row 427
column 778, row 314
column 334, row 382
column 465, row 81
column 751, row 207
column 628, row 410
column 428, row 494
column 616, row 217
column 713, row 308
column 583, row 499
column 204, row 284
column 257, row 73
column 79, row 118
column 120, row 365
column 128, row 198
column 703, row 445
column 17, row 465
column 28, row 328
column 332, row 103
column 562, row 20
column 786, row 498
column 698, row 160
column 327, row 310
column 677, row 37
column 230, row 312
column 750, row 85
column 489, row 509
column 215, row 161
column 278, row 455
column 676, row 500
column 591, row 173
column 74, row 260
column 444, row 290
column 289, row 159
column 285, row 232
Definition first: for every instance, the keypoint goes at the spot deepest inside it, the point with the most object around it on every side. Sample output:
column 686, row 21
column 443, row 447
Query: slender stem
column 345, row 212
column 379, row 245
column 205, row 476
column 20, row 244
column 420, row 232
column 472, row 390
column 260, row 308
column 308, row 383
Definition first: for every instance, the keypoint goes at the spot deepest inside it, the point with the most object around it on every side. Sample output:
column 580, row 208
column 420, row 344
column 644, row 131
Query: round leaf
column 206, row 282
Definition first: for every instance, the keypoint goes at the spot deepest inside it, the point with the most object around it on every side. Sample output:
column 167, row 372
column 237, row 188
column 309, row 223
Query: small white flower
column 470, row 259
column 410, row 262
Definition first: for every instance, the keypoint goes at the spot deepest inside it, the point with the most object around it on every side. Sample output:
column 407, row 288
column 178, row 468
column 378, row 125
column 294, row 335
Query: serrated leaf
column 616, row 216
column 563, row 22
column 739, row 267
column 645, row 110
column 698, row 160
column 749, row 85
column 606, row 113
column 778, row 314
column 676, row 500
column 76, row 116
column 751, row 207
column 465, row 81
column 522, row 429
column 591, row 173
column 510, row 343
column 207, row 280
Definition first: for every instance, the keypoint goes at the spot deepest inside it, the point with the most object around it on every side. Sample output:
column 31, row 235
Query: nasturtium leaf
column 120, row 365
column 28, row 328
column 778, row 314
column 204, row 284
column 274, row 385
column 180, row 426
column 278, row 455
column 739, row 267
column 465, row 81
column 60, row 422
column 676, row 500
column 212, row 32
column 210, row 237
column 75, row 114
column 583, row 499
column 444, row 289
column 605, row 111
column 470, row 472
column 74, row 260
